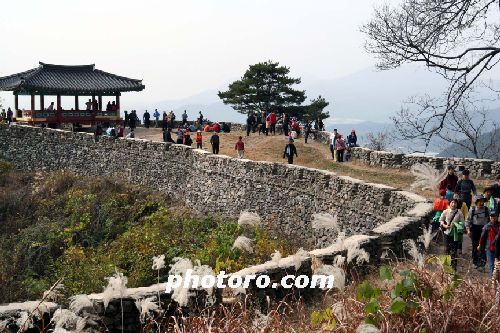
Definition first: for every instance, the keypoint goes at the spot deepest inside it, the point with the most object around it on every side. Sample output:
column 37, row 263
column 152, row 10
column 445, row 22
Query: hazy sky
column 180, row 48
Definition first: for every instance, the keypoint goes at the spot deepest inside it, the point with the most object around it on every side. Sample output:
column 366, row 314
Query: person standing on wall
column 478, row 217
column 146, row 116
column 132, row 119
column 290, row 150
column 464, row 187
column 200, row 119
column 184, row 118
column 240, row 147
column 214, row 141
column 156, row 115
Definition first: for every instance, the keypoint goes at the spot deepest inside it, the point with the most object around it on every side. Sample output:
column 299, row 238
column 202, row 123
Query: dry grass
column 444, row 304
column 312, row 155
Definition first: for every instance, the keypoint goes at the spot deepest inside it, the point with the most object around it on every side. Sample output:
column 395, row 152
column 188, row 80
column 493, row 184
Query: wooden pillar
column 32, row 102
column 118, row 103
column 99, row 107
column 58, row 110
column 16, row 101
column 77, row 107
column 42, row 102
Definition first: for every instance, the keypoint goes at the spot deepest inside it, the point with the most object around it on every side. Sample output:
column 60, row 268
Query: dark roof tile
column 59, row 79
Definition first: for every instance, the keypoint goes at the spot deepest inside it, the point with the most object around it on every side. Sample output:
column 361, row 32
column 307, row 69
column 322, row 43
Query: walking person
column 199, row 139
column 214, row 141
column 486, row 242
column 464, row 187
column 450, row 179
column 478, row 217
column 452, row 222
column 268, row 124
column 240, row 147
column 307, row 131
column 290, row 150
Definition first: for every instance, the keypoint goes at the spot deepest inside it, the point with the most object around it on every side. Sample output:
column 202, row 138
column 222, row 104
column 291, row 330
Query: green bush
column 62, row 225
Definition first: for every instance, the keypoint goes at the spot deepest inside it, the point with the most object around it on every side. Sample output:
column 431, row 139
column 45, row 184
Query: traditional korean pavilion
column 77, row 81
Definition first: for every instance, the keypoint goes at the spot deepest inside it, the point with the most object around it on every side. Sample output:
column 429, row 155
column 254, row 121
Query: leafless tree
column 378, row 141
column 467, row 126
column 458, row 39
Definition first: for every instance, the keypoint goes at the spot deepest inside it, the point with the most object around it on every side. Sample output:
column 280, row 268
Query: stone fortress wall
column 286, row 196
column 375, row 217
column 482, row 168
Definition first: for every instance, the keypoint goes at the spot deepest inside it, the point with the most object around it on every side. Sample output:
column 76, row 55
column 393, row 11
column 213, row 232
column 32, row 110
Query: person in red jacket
column 486, row 242
column 240, row 147
column 274, row 120
column 216, row 127
column 451, row 179
column 199, row 139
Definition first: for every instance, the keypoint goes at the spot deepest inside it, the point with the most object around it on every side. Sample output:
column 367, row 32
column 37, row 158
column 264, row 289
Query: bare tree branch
column 459, row 39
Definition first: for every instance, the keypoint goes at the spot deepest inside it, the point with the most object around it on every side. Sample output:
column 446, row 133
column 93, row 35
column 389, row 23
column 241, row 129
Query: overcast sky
column 180, row 48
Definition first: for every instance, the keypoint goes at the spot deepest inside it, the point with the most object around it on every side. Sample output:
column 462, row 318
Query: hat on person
column 451, row 167
column 442, row 192
column 479, row 198
column 353, row 131
column 493, row 212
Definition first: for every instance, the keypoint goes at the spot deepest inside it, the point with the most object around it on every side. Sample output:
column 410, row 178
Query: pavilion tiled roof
column 68, row 80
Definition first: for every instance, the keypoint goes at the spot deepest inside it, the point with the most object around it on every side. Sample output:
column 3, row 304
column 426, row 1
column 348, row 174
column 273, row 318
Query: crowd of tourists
column 269, row 123
column 460, row 210
column 340, row 147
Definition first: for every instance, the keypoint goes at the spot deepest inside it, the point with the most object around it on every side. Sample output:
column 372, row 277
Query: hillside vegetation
column 57, row 225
